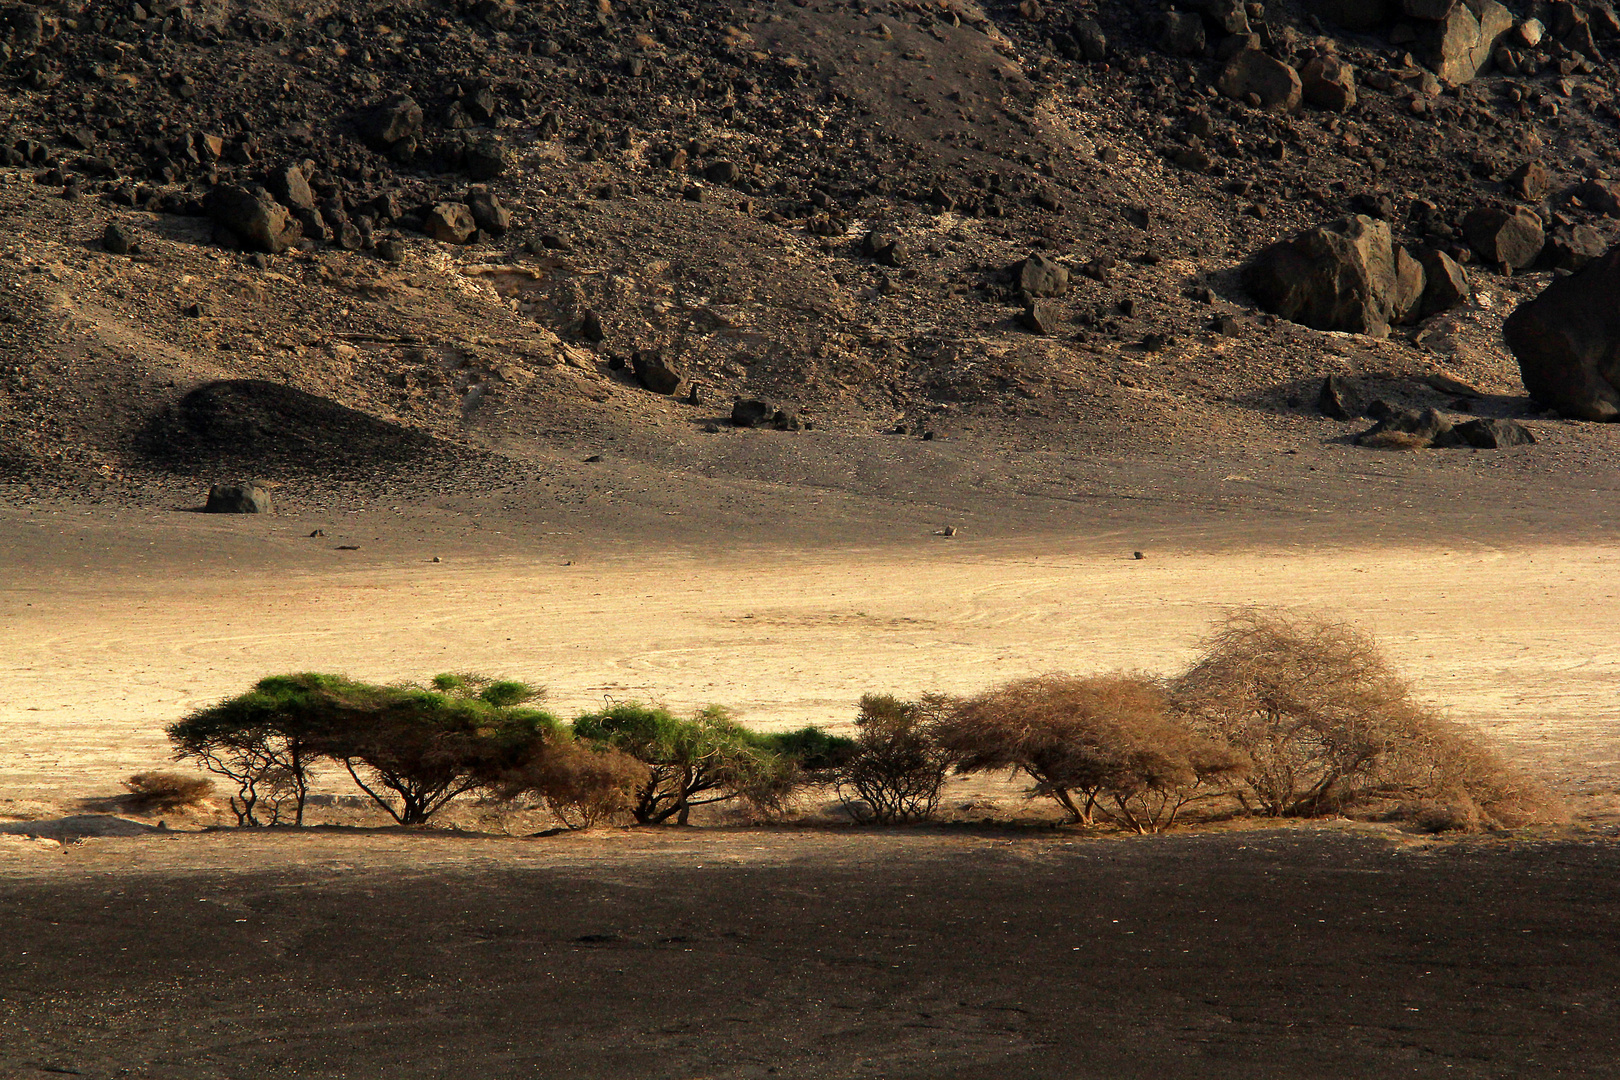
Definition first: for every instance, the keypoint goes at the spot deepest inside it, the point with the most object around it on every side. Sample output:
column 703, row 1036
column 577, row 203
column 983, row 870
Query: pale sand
column 1524, row 643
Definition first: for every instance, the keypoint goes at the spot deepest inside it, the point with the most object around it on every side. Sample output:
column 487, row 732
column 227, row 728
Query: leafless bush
column 168, row 790
column 898, row 765
column 1102, row 745
column 1330, row 726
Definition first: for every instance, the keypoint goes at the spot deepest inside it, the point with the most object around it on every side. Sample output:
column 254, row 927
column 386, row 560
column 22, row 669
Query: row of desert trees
column 1280, row 715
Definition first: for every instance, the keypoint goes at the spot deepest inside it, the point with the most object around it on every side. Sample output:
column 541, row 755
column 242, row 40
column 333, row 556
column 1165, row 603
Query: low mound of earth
column 271, row 428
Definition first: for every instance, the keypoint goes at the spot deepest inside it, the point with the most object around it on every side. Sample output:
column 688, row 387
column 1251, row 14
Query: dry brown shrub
column 1395, row 440
column 582, row 785
column 1329, row 726
column 168, row 790
column 1102, row 745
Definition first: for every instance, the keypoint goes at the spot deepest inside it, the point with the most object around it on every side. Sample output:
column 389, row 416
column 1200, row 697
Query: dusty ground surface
column 1268, row 954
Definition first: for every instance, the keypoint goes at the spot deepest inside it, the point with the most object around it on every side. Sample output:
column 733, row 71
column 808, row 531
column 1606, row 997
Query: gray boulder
column 1338, row 276
column 392, row 121
column 288, row 184
column 1182, row 33
column 1567, row 342
column 237, row 499
column 1445, row 283
column 1483, row 434
column 489, row 213
column 450, row 223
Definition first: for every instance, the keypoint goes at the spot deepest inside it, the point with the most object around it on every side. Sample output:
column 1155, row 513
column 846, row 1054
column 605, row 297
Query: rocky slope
column 478, row 233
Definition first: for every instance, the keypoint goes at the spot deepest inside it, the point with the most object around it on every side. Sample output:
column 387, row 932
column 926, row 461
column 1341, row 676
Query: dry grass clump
column 168, row 790
column 1395, row 440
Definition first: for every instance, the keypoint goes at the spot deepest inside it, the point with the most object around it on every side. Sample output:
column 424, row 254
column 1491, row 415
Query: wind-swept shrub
column 582, row 785
column 168, row 790
column 1103, row 745
column 898, row 766
column 707, row 759
column 1330, row 726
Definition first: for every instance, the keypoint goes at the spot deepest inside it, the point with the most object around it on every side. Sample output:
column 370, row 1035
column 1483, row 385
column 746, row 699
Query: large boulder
column 1567, row 342
column 1255, row 76
column 254, row 218
column 1328, row 83
column 1040, row 276
column 1338, row 276
column 1463, row 42
column 1445, row 283
column 390, row 122
column 450, row 223
column 237, row 499
column 653, row 372
column 1504, row 236
column 288, row 184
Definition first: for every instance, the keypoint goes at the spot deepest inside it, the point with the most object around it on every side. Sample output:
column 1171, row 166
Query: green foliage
column 898, row 766
column 426, row 746
column 811, row 748
column 707, row 759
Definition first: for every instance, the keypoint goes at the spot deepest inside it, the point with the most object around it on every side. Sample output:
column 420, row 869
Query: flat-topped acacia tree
column 426, row 745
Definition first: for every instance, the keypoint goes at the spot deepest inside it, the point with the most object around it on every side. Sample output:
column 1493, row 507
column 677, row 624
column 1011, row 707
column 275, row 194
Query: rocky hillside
column 307, row 236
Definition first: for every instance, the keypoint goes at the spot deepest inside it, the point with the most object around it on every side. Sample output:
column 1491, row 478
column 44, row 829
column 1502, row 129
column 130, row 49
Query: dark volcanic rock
column 488, row 212
column 390, row 122
column 1339, row 276
column 1337, row 399
column 1421, row 428
column 1463, row 42
column 450, row 223
column 288, row 184
column 254, row 218
column 1567, row 342
column 1328, row 83
column 237, row 499
column 1504, row 236
column 1445, row 283
column 748, row 412
column 1272, row 83
column 1040, row 276
column 1573, row 247
column 1483, row 434
column 118, row 239
column 1041, row 317
column 652, row 372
